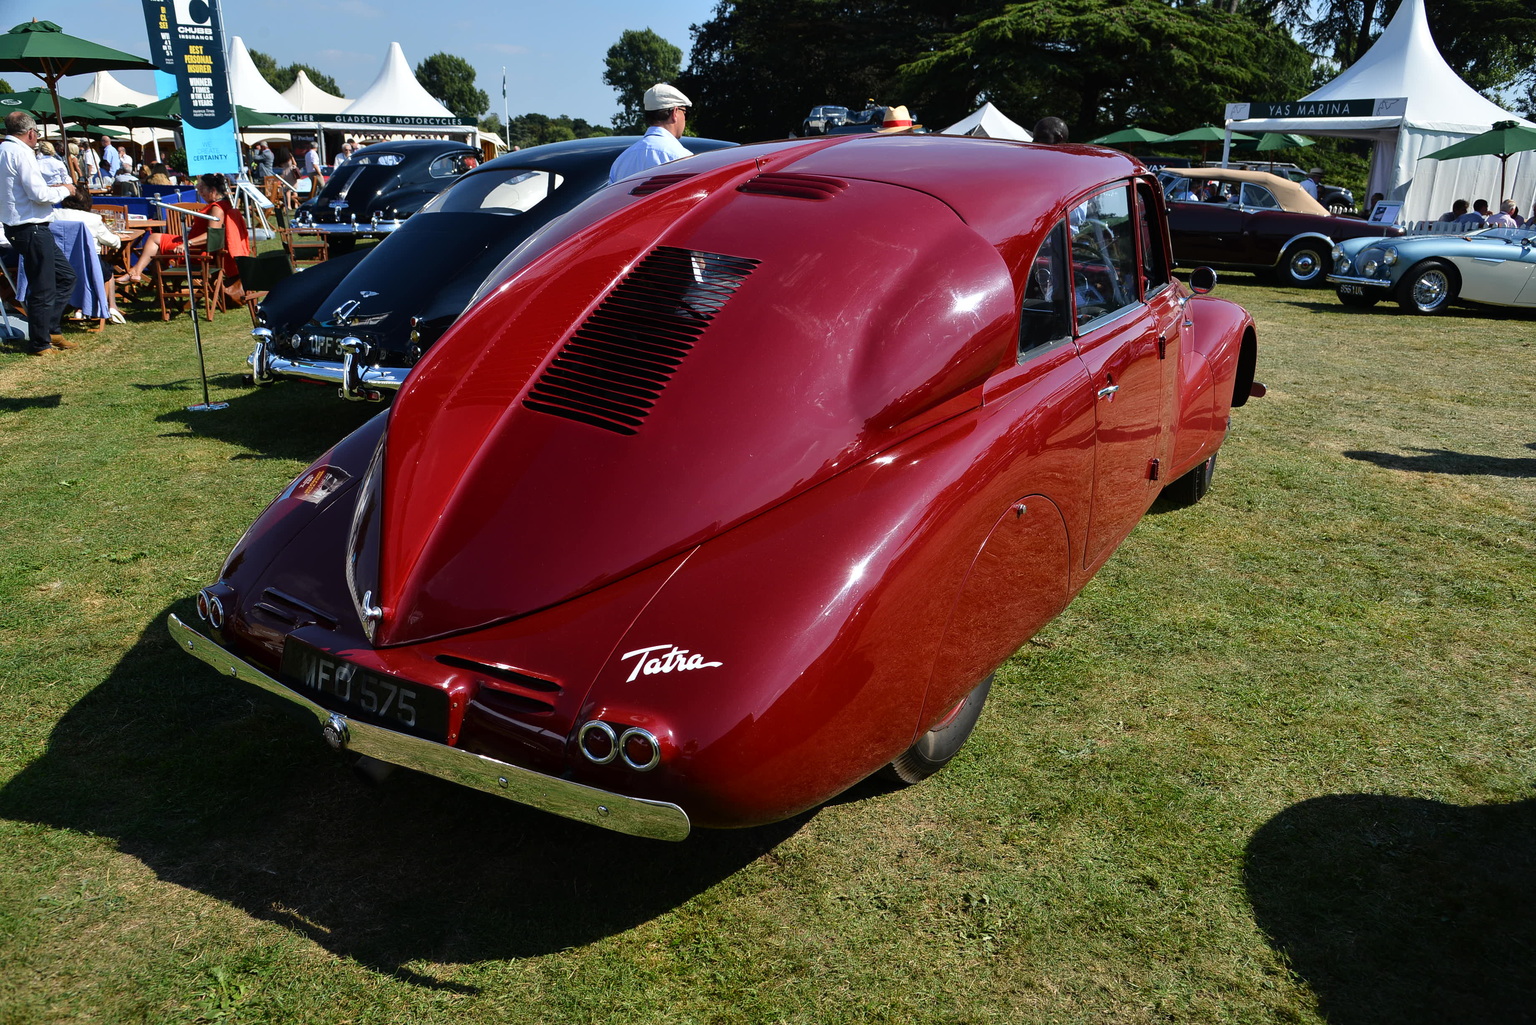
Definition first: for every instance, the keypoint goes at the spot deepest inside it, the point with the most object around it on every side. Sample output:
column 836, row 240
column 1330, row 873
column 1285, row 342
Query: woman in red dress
column 213, row 190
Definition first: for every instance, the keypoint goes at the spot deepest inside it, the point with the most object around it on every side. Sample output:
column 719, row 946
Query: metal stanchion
column 197, row 331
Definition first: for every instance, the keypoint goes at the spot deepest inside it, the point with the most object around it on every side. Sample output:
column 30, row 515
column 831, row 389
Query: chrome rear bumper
column 657, row 820
column 352, row 379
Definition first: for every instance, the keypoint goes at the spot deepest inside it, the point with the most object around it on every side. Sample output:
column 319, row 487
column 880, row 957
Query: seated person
column 78, row 208
column 213, row 190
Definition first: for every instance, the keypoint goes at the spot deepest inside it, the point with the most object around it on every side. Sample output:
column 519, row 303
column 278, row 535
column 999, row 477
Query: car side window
column 1259, row 197
column 1046, row 312
column 1154, row 269
column 448, row 165
column 1103, row 256
column 1179, row 191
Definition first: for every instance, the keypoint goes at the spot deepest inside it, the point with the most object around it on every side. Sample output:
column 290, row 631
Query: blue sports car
column 1426, row 273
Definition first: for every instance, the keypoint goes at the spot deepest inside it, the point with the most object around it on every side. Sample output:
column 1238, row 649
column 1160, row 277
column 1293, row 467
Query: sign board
column 186, row 40
column 400, row 120
column 1386, row 211
column 1395, row 106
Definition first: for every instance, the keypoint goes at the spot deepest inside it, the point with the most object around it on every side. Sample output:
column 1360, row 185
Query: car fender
column 1315, row 236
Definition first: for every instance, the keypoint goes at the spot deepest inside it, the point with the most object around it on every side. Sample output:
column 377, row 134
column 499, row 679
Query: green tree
column 5, row 87
column 635, row 63
column 281, row 78
column 1103, row 64
column 452, row 81
column 537, row 129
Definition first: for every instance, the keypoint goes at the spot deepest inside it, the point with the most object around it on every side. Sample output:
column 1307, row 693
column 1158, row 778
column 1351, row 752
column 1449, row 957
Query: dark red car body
column 756, row 462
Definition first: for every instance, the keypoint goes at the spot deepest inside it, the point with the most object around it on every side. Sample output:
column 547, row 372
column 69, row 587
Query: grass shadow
column 1441, row 460
column 216, row 788
column 16, row 405
column 1402, row 910
column 291, row 420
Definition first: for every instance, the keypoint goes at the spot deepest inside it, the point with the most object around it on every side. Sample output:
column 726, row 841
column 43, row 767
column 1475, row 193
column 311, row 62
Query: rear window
column 385, row 159
column 512, row 191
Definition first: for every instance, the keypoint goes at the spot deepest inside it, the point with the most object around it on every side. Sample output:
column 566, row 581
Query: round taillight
column 597, row 742
column 640, row 750
column 210, row 609
column 202, row 605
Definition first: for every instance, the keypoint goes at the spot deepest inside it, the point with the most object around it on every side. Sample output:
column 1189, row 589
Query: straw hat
column 897, row 119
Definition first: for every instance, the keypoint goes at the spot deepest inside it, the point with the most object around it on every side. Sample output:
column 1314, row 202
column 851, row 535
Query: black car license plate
column 364, row 694
column 1349, row 289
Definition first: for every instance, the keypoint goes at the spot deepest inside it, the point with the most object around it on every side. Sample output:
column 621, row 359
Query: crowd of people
column 1480, row 217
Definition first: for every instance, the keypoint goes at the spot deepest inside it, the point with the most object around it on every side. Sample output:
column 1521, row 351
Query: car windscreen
column 513, row 191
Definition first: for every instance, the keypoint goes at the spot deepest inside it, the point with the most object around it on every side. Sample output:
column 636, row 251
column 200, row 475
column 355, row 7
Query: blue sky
column 553, row 51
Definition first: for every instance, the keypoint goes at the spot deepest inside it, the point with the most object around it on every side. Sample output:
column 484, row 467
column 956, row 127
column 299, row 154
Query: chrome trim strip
column 271, row 365
column 657, row 820
column 1339, row 279
column 365, row 228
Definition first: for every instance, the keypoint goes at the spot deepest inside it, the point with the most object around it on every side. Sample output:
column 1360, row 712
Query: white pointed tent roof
column 248, row 87
column 1403, row 62
column 396, row 93
column 312, row 99
column 108, row 91
column 989, row 123
column 1440, row 110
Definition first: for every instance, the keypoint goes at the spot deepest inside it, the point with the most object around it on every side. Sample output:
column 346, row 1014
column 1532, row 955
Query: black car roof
column 414, row 145
column 600, row 147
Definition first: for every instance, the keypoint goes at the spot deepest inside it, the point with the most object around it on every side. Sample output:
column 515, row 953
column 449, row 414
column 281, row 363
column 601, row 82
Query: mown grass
column 1273, row 765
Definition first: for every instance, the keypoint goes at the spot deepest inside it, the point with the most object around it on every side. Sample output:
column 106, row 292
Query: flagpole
column 506, row 115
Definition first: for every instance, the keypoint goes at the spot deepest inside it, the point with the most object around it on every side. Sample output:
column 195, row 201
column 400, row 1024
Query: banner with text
column 1395, row 106
column 187, row 40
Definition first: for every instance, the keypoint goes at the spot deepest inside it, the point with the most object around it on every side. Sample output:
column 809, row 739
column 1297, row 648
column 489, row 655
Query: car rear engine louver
column 658, row 182
column 612, row 369
column 795, row 186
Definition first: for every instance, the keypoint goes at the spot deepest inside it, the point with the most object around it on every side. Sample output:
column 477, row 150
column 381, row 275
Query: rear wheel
column 1304, row 265
column 1191, row 487
column 1360, row 302
column 934, row 749
column 1428, row 288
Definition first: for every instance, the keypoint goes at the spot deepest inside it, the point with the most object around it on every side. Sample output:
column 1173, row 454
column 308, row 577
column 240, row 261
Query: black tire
column 1191, row 487
column 934, row 749
column 1428, row 287
column 1304, row 265
column 1359, row 302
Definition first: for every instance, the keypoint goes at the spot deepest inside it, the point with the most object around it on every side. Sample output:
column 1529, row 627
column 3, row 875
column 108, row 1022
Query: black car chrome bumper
column 353, row 379
column 365, row 229
column 657, row 820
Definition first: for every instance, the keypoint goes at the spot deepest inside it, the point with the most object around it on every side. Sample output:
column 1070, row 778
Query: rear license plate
column 1349, row 289
column 364, row 694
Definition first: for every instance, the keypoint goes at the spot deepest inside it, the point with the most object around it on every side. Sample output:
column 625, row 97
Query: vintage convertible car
column 383, row 184
column 1426, row 273
column 1251, row 220
column 1336, row 198
column 362, row 321
column 742, row 480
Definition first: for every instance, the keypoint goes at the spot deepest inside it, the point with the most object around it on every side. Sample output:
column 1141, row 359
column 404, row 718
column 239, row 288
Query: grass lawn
column 1275, row 764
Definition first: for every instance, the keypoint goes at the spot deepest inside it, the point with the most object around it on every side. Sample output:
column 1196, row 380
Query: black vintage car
column 363, row 320
column 373, row 193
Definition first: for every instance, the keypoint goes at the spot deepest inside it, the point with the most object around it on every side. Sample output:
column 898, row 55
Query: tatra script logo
column 674, row 659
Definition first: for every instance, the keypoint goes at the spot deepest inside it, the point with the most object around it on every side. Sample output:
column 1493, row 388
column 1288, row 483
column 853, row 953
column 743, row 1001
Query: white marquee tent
column 989, row 123
column 1440, row 110
column 311, row 99
column 396, row 104
column 109, row 92
column 249, row 88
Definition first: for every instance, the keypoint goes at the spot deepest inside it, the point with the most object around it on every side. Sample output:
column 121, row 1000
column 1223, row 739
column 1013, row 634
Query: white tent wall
column 1441, row 109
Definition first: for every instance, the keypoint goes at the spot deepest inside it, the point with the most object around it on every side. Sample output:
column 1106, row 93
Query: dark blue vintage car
column 362, row 321
column 373, row 193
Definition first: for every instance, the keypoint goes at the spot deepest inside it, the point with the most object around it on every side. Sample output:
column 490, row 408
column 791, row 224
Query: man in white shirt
column 26, row 205
column 666, row 114
column 1310, row 183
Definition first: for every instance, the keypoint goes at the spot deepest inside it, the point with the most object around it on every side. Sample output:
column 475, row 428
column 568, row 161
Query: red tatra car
column 743, row 480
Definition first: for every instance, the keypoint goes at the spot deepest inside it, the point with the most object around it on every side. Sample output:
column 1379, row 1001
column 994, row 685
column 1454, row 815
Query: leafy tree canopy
column 281, row 78
column 635, row 63
column 452, row 81
column 1106, row 64
column 537, row 129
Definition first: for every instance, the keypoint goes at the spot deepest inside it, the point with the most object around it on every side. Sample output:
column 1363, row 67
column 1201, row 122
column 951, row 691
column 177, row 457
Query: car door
column 1496, row 270
column 1205, row 232
column 1117, row 340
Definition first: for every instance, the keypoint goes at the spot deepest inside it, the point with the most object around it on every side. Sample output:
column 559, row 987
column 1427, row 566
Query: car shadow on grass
column 1443, row 460
column 215, row 787
column 290, row 420
column 1402, row 910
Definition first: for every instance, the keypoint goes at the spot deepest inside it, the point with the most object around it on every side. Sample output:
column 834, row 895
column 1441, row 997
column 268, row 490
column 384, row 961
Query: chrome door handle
column 1106, row 392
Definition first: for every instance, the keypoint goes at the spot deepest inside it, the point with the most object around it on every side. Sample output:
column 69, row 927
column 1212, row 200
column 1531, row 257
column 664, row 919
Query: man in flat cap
column 666, row 112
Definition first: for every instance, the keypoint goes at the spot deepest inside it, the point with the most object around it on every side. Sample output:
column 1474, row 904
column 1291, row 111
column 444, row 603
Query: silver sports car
column 1426, row 273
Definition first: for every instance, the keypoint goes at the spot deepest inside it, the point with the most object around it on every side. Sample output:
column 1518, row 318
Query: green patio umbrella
column 166, row 113
column 43, row 49
column 1503, row 140
column 1204, row 136
column 44, row 105
column 1142, row 136
column 1270, row 141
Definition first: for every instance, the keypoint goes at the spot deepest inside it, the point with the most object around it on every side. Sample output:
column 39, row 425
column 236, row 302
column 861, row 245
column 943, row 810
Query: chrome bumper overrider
column 657, row 820
column 1343, row 279
column 352, row 378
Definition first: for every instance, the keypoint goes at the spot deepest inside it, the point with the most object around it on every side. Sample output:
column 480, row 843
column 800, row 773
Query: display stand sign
column 186, row 39
column 1395, row 106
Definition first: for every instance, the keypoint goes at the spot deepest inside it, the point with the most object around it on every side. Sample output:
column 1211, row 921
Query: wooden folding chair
column 170, row 269
column 305, row 248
